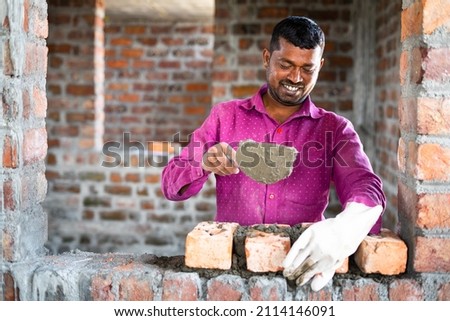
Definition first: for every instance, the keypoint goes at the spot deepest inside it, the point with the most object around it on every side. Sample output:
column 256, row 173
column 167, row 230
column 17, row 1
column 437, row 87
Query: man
column 330, row 152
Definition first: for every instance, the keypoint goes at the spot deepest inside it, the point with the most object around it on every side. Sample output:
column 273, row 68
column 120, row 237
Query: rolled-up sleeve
column 186, row 168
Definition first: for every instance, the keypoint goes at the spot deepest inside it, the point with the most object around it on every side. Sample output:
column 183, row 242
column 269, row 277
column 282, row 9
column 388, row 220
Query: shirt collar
column 308, row 109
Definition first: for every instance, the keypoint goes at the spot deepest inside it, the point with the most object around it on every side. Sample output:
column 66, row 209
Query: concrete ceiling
column 161, row 10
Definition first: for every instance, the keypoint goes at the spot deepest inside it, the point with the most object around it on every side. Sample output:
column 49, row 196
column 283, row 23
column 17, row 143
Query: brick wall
column 158, row 78
column 387, row 94
column 23, row 138
column 127, row 277
column 424, row 153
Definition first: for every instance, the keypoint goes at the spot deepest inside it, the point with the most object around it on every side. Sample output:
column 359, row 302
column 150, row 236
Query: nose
column 295, row 76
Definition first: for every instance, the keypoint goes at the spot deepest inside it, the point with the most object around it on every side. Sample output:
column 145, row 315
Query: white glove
column 324, row 246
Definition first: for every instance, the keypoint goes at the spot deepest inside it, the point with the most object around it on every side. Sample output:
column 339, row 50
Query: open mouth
column 292, row 88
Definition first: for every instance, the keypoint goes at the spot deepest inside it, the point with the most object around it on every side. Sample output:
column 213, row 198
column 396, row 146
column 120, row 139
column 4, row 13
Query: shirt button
column 271, row 196
column 279, row 130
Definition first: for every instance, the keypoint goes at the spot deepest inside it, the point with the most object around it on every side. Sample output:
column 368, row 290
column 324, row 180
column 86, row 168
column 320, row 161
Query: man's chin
column 292, row 102
column 288, row 100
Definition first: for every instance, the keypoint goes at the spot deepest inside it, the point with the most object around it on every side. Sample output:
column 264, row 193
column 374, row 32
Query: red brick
column 133, row 289
column 433, row 211
column 34, row 145
column 118, row 190
column 361, row 290
column 401, row 155
column 132, row 53
column 412, row 18
column 443, row 293
column 80, row 90
column 209, row 245
column 148, row 41
column 415, row 68
column 35, row 58
column 152, row 178
column 267, row 289
column 435, row 63
column 143, row 64
column 135, row 29
column 432, row 254
column 115, row 178
column 325, row 294
column 265, row 252
column 116, row 64
column 39, row 103
column 408, row 114
column 121, row 41
column 272, row 12
column 129, row 98
column 75, row 117
column 385, row 254
column 181, row 287
column 433, row 162
column 433, row 116
column 40, row 26
column 179, row 99
column 435, row 15
column 411, row 159
column 11, row 292
column 244, row 90
column 225, row 288
column 197, row 87
column 169, row 64
column 10, row 157
column 26, row 9
column 405, row 290
column 130, row 177
column 194, row 110
column 101, row 289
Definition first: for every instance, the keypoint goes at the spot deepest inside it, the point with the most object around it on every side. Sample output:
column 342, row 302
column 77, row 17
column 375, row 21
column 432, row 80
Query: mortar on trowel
column 266, row 163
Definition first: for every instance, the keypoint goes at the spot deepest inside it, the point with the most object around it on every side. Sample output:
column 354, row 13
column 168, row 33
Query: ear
column 266, row 57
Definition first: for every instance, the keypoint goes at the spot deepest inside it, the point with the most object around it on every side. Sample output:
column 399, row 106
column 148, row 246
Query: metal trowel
column 266, row 163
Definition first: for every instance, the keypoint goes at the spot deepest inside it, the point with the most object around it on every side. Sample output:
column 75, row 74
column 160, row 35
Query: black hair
column 302, row 32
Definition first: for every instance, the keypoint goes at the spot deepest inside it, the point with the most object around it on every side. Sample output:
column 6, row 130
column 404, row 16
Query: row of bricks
column 210, row 246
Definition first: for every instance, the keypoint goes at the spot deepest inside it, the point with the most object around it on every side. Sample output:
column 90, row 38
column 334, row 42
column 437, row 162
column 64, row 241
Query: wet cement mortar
column 176, row 263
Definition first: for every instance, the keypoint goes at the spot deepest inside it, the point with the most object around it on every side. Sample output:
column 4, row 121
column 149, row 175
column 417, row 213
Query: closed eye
column 285, row 66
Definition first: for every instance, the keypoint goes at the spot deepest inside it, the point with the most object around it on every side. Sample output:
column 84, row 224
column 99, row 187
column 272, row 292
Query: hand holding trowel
column 266, row 163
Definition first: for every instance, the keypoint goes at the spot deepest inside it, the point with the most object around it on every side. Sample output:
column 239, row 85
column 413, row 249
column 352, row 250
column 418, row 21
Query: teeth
column 291, row 88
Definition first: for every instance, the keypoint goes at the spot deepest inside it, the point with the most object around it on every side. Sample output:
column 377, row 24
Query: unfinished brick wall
column 158, row 78
column 23, row 138
column 424, row 153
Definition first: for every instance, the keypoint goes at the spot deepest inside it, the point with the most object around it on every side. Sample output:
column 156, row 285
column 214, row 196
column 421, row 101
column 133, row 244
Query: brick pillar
column 23, row 137
column 75, row 98
column 424, row 146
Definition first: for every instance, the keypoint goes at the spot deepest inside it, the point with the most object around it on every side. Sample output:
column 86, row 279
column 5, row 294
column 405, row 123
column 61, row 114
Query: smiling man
column 330, row 152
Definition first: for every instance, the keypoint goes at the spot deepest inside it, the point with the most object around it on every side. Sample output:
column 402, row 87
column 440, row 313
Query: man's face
column 292, row 72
